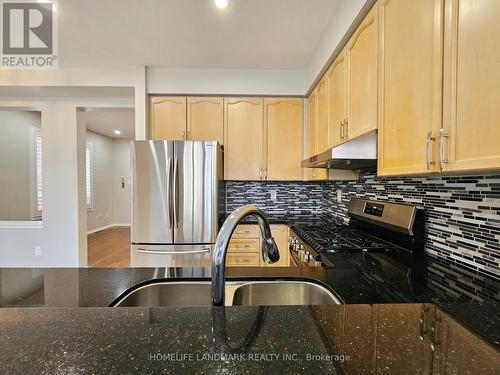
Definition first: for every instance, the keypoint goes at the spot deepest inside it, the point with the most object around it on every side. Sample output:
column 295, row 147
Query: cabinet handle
column 435, row 336
column 442, row 160
column 187, row 135
column 183, row 135
column 422, row 330
column 265, row 174
column 346, row 127
column 341, row 127
column 260, row 174
column 430, row 139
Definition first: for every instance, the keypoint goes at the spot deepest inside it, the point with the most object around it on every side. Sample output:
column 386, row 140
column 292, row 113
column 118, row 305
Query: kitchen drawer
column 250, row 245
column 246, row 231
column 242, row 259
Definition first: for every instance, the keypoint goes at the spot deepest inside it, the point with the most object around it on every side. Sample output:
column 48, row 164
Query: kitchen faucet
column 270, row 252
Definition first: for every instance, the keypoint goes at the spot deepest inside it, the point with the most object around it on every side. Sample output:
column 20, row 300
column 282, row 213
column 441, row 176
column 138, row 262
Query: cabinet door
column 280, row 235
column 401, row 344
column 362, row 63
column 167, row 118
column 359, row 338
column 459, row 351
column 243, row 138
column 284, row 122
column 322, row 116
column 205, row 119
column 312, row 136
column 311, row 125
column 471, row 83
column 410, row 93
column 337, row 99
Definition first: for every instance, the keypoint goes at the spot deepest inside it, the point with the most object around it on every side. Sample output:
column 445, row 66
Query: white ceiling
column 259, row 34
column 106, row 120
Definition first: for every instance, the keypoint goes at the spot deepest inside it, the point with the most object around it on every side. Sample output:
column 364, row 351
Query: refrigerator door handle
column 145, row 251
column 169, row 192
column 176, row 192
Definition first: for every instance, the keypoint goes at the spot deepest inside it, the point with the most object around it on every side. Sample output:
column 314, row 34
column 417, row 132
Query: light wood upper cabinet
column 167, row 117
column 243, row 138
column 205, row 119
column 322, row 116
column 471, row 117
column 337, row 99
column 362, row 68
column 311, row 125
column 284, row 125
column 312, row 137
column 410, row 85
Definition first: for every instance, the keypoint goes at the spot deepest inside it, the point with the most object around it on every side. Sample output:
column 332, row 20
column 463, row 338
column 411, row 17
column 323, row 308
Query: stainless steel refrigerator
column 178, row 197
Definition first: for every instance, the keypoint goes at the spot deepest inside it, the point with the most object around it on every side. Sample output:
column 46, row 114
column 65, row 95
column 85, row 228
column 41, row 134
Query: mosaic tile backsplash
column 292, row 198
column 462, row 213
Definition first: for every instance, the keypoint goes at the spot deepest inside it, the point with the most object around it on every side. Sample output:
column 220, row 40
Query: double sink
column 237, row 293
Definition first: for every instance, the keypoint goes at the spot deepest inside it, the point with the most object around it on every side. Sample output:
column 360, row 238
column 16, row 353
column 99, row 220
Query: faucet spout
column 270, row 253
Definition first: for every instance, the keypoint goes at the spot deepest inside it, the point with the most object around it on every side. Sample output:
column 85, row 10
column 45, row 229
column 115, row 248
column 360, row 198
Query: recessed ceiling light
column 118, row 132
column 221, row 4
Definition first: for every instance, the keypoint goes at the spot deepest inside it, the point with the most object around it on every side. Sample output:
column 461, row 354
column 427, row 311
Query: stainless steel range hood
column 357, row 153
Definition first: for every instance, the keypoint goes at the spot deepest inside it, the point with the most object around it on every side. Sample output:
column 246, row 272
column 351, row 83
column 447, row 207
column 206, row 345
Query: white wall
column 17, row 162
column 345, row 18
column 225, row 81
column 111, row 162
column 121, row 168
column 59, row 236
column 101, row 214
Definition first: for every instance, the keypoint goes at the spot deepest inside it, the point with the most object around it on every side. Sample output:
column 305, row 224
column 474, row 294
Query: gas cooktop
column 341, row 238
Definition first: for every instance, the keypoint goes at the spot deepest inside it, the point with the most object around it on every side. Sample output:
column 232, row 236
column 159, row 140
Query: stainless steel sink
column 237, row 293
column 283, row 293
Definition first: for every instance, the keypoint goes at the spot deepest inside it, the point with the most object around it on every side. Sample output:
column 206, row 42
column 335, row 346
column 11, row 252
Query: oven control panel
column 374, row 209
column 301, row 254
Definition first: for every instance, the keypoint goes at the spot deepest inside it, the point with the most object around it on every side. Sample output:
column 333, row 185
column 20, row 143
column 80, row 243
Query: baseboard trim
column 108, row 227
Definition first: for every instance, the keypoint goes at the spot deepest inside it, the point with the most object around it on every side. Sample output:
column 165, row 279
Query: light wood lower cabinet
column 242, row 259
column 280, row 234
column 167, row 118
column 245, row 246
column 410, row 82
column 471, row 119
column 205, row 119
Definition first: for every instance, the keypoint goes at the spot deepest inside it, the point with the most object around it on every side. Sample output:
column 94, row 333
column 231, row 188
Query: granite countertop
column 57, row 321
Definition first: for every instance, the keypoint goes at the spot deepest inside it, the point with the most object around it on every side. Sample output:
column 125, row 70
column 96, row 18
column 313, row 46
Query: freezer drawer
column 171, row 255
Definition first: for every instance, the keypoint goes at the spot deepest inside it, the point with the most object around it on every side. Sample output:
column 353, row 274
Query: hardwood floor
column 109, row 248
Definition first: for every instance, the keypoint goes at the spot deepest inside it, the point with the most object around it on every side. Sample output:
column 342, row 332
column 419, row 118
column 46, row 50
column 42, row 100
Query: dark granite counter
column 280, row 339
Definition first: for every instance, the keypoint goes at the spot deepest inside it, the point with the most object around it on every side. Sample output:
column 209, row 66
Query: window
column 89, row 177
column 38, row 185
